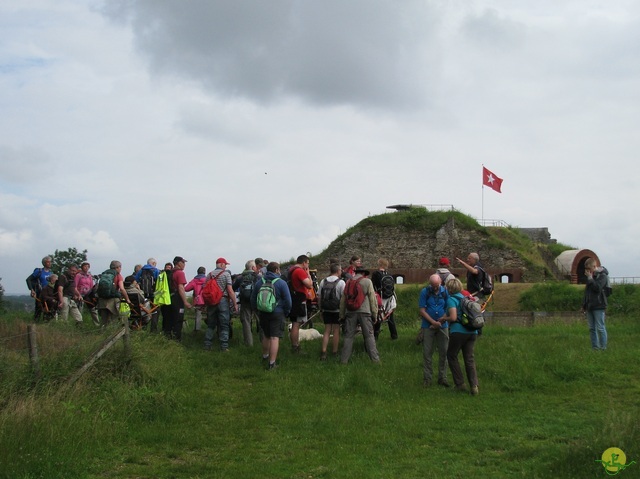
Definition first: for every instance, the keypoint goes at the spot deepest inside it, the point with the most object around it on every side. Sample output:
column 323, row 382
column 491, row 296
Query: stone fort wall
column 414, row 254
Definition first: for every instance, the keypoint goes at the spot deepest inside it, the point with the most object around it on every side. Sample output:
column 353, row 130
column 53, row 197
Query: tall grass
column 562, row 296
column 552, row 296
column 548, row 407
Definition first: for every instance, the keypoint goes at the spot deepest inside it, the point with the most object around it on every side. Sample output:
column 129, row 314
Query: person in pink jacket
column 196, row 285
column 84, row 282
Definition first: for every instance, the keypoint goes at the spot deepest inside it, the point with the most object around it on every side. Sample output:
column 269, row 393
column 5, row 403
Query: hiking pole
column 310, row 318
column 484, row 305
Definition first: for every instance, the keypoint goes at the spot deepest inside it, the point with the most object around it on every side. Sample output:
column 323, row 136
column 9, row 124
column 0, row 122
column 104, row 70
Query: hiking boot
column 444, row 382
column 474, row 391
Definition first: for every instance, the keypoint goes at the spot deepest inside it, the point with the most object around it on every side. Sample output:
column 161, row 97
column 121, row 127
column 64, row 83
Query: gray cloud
column 120, row 140
column 325, row 53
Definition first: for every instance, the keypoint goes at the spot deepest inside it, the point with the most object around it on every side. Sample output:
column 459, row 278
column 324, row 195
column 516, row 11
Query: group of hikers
column 351, row 300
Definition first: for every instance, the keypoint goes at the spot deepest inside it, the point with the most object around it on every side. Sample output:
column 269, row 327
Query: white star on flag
column 491, row 180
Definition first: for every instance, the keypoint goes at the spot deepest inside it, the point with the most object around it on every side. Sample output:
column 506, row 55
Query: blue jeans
column 597, row 330
column 219, row 317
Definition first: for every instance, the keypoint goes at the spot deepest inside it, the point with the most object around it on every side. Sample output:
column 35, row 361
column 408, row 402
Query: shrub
column 552, row 296
column 625, row 299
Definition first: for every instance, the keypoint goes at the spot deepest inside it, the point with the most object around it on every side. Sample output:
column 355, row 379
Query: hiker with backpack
column 384, row 285
column 68, row 295
column 358, row 307
column 460, row 339
column 479, row 282
column 110, row 291
column 300, row 283
column 271, row 298
column 49, row 299
column 350, row 271
column 36, row 282
column 146, row 278
column 244, row 284
column 219, row 297
column 172, row 323
column 435, row 329
column 196, row 285
column 330, row 292
column 443, row 269
column 596, row 291
column 261, row 267
column 85, row 285
column 162, row 296
column 137, row 314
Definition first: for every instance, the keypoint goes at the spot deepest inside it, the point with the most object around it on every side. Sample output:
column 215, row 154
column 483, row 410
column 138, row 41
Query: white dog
column 308, row 334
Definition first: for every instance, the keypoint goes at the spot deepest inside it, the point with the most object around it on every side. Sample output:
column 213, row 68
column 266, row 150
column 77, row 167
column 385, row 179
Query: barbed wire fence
column 35, row 344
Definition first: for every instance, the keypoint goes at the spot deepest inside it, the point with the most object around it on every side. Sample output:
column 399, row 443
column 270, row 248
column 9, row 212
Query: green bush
column 558, row 296
column 421, row 218
column 552, row 296
column 556, row 248
column 625, row 299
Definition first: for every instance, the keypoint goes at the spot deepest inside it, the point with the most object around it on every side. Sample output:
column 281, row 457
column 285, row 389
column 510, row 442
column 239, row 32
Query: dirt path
column 506, row 296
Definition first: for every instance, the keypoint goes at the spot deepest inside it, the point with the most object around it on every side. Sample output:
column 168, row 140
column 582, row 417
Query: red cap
column 222, row 260
column 444, row 262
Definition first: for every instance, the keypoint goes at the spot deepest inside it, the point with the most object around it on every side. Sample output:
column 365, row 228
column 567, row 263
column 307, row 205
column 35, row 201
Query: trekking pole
column 310, row 318
column 149, row 311
column 484, row 305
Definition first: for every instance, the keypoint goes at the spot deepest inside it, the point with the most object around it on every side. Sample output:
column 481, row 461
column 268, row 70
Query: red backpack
column 211, row 292
column 353, row 294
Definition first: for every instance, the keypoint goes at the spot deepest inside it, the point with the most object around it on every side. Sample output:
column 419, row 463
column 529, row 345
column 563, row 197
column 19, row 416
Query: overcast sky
column 266, row 128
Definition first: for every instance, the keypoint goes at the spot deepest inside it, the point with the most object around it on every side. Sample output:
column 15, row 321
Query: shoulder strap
column 217, row 275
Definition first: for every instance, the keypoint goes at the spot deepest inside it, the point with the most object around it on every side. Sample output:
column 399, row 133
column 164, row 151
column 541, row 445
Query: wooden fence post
column 127, row 339
column 33, row 350
column 94, row 356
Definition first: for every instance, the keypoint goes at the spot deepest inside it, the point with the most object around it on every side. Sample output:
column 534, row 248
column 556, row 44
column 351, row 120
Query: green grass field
column 548, row 407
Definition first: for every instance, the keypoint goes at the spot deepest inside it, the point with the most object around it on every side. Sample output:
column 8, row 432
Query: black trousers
column 392, row 327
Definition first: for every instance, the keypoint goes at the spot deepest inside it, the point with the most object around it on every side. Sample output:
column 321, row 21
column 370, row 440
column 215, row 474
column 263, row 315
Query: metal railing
column 624, row 279
column 498, row 223
column 431, row 207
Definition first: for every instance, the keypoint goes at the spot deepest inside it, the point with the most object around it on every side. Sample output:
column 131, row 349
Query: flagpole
column 482, row 195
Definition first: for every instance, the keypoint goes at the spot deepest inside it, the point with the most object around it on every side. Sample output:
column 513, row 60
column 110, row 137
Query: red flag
column 491, row 180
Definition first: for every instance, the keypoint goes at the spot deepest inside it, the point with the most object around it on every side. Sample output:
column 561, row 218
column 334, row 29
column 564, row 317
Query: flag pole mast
column 482, row 195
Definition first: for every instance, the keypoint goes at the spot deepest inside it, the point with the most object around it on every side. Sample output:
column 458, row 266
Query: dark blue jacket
column 152, row 268
column 282, row 294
